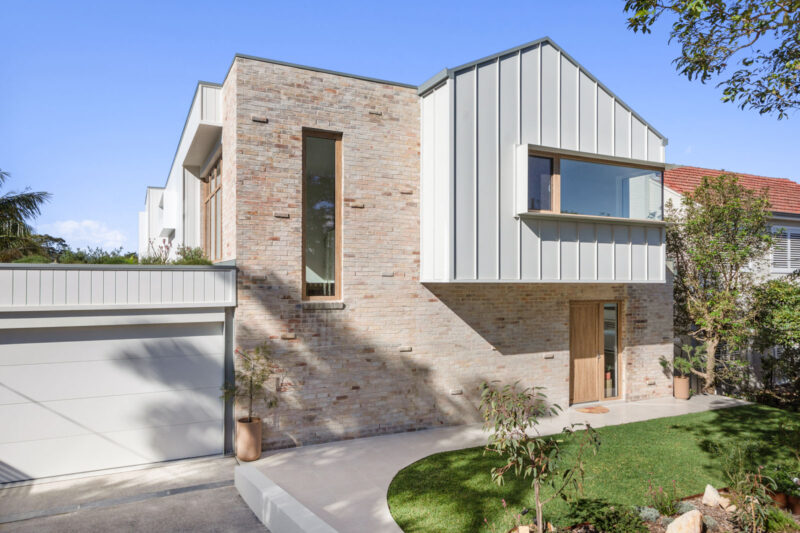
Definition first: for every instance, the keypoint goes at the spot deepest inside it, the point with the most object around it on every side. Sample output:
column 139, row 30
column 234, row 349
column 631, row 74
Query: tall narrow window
column 212, row 213
column 321, row 216
column 610, row 370
column 540, row 175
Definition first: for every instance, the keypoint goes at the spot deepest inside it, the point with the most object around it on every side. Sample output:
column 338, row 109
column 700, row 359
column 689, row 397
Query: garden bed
column 453, row 491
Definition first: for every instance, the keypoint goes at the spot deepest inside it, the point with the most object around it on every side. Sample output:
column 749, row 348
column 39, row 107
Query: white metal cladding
column 559, row 249
column 106, row 366
column 24, row 286
column 535, row 95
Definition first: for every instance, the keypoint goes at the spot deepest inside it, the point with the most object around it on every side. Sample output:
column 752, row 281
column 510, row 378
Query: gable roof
column 446, row 73
column 784, row 194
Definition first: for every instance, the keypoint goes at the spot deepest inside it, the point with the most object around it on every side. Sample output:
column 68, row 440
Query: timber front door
column 594, row 351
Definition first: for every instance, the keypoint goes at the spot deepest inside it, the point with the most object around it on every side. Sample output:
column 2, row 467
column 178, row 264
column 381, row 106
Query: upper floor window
column 212, row 212
column 322, row 213
column 786, row 252
column 576, row 186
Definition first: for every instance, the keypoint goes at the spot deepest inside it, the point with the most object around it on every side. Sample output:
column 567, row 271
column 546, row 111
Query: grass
column 453, row 491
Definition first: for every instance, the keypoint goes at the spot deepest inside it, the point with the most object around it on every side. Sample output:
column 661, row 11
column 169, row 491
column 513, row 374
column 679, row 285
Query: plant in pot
column 784, row 485
column 254, row 369
column 681, row 368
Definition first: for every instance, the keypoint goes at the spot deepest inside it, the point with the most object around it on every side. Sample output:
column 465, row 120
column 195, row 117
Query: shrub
column 33, row 259
column 648, row 514
column 606, row 517
column 191, row 256
column 664, row 500
column 749, row 488
column 97, row 256
column 779, row 521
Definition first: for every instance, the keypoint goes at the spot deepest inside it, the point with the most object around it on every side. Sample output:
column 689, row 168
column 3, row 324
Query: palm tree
column 15, row 211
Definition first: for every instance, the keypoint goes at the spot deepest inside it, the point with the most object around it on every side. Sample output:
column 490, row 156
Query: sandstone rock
column 691, row 522
column 711, row 496
column 724, row 502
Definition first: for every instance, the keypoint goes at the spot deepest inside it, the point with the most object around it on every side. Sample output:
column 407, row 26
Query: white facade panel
column 487, row 224
column 569, row 104
column 534, row 95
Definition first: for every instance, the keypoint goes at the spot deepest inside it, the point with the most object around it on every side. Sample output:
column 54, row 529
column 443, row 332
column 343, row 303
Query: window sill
column 322, row 305
column 591, row 218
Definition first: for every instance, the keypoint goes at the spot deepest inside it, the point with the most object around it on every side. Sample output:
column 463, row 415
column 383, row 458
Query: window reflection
column 610, row 190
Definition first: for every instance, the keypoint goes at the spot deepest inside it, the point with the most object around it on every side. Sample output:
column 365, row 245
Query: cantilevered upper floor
column 533, row 170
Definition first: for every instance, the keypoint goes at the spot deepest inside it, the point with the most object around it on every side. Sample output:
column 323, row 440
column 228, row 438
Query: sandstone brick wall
column 397, row 355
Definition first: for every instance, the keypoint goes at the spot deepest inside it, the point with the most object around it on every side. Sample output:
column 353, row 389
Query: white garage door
column 78, row 399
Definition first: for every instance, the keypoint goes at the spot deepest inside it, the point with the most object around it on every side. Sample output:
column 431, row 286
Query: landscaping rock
column 724, row 502
column 711, row 496
column 691, row 522
column 684, row 507
column 711, row 524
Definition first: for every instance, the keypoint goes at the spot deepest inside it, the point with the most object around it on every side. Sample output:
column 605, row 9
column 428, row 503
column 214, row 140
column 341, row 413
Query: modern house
column 397, row 245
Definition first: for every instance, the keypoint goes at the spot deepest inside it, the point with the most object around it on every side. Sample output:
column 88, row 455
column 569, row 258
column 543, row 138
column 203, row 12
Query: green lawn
column 453, row 491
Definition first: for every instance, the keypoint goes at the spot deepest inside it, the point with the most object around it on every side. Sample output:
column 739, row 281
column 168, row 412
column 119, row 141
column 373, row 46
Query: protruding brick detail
column 345, row 375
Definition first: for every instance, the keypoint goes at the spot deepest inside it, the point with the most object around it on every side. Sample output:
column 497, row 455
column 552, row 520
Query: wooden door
column 584, row 349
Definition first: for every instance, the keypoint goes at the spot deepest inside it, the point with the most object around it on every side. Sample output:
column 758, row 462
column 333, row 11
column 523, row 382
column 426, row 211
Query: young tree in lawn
column 757, row 38
column 715, row 238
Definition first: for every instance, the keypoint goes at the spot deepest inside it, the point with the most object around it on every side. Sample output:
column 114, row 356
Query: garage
column 109, row 387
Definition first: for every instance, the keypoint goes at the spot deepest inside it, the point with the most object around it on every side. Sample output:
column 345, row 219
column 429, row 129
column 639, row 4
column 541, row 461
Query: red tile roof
column 784, row 194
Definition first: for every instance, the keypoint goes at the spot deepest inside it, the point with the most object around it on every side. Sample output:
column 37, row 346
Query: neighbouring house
column 784, row 198
column 397, row 245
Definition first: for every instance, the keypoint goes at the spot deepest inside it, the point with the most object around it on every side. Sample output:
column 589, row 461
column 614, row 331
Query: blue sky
column 93, row 96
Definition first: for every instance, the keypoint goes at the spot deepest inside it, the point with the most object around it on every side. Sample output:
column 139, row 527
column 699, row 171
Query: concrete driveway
column 195, row 495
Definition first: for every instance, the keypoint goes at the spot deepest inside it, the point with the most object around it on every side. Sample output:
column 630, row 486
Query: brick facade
column 400, row 355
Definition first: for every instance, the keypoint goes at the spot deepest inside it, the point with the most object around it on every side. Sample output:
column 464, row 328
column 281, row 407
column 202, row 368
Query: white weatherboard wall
column 472, row 122
column 106, row 367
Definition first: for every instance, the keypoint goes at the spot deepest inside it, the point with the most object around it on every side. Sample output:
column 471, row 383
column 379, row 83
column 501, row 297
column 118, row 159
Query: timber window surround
column 322, row 215
column 786, row 252
column 212, row 212
column 566, row 184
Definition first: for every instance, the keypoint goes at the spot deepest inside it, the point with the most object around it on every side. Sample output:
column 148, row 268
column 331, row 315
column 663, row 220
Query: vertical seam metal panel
column 516, row 158
column 452, row 179
column 475, row 173
column 558, row 104
column 497, row 161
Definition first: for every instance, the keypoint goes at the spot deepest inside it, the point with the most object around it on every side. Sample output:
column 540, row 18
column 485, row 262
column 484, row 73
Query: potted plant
column 783, row 487
column 254, row 369
column 681, row 369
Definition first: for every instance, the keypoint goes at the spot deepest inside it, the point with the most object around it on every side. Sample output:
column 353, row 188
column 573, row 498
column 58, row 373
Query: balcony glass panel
column 610, row 190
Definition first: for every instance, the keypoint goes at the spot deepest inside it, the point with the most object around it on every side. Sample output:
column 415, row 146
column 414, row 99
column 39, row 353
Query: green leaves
column 716, row 34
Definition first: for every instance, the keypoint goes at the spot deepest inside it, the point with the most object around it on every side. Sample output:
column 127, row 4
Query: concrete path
column 345, row 483
column 195, row 495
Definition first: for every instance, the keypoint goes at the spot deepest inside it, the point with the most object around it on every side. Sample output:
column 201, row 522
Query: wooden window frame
column 555, row 177
column 210, row 195
column 337, row 278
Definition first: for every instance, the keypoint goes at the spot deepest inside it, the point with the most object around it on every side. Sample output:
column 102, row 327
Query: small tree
column 777, row 320
column 255, row 368
column 512, row 415
column 720, row 232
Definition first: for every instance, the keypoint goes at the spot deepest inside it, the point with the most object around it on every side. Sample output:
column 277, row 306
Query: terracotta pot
column 248, row 439
column 680, row 387
column 780, row 499
column 794, row 504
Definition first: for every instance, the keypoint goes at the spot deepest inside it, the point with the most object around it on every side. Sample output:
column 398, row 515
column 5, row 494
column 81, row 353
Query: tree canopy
column 753, row 45
column 720, row 231
column 16, row 210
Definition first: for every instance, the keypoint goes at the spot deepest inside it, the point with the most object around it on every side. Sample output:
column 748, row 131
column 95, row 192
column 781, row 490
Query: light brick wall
column 348, row 372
